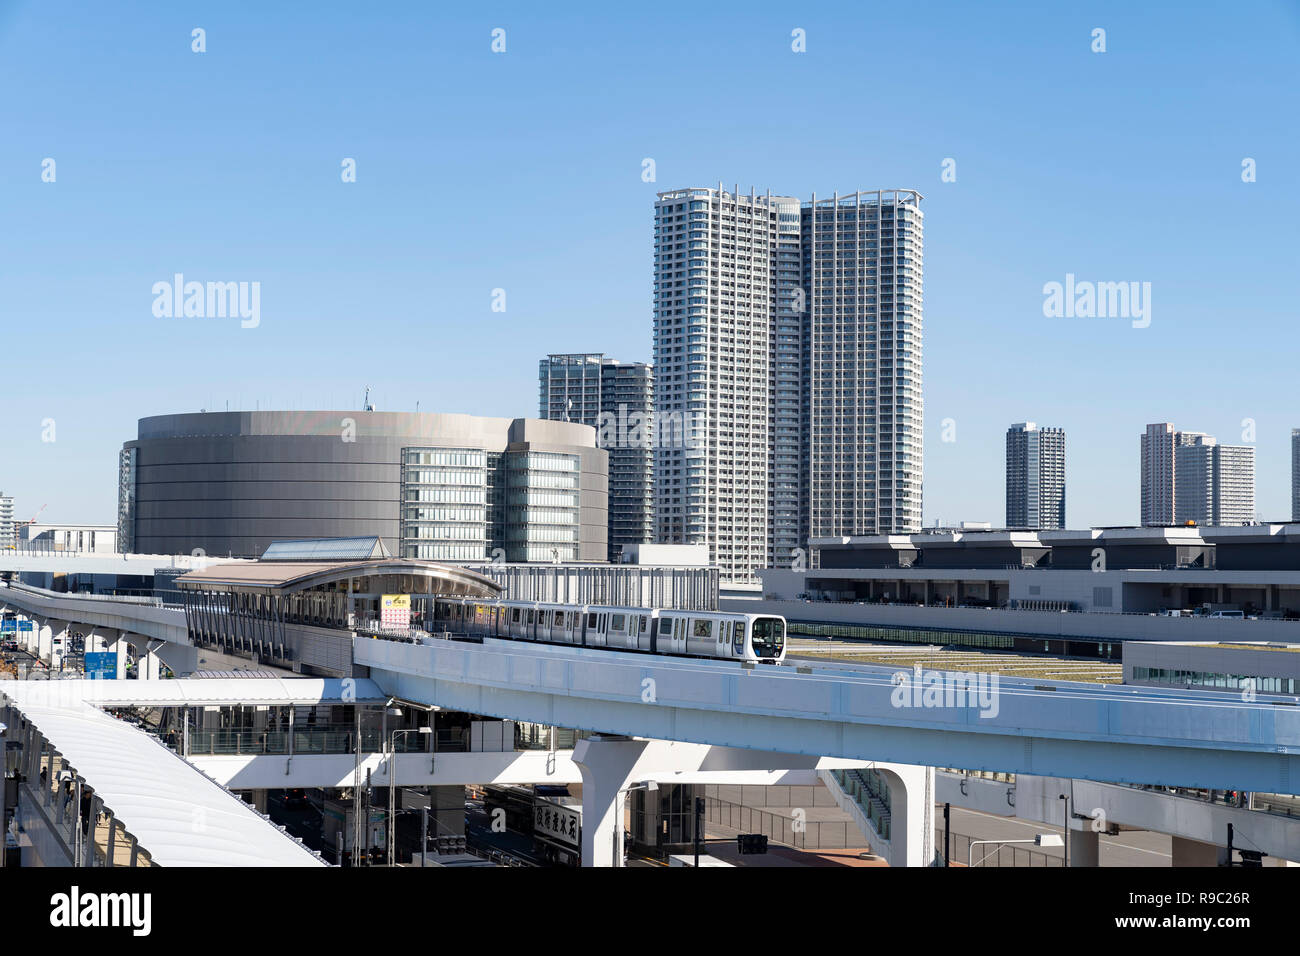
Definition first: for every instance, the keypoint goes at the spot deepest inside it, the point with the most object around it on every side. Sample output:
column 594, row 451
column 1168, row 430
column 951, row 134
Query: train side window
column 665, row 626
column 703, row 628
column 559, row 619
column 514, row 615
column 530, row 616
column 644, row 619
column 618, row 622
column 591, row 620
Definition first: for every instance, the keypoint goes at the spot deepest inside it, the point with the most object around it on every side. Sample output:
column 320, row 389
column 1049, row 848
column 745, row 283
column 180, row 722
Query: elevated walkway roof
column 178, row 815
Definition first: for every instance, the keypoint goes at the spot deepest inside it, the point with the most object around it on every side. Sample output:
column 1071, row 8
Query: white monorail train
column 716, row 634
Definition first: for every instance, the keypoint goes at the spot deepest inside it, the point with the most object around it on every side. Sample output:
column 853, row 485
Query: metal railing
column 988, row 854
column 868, row 791
column 321, row 739
column 802, row 835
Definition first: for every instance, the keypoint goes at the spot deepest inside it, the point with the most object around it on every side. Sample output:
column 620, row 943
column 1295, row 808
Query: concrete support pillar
column 30, row 638
column 1185, row 852
column 259, row 800
column 911, row 811
column 44, row 640
column 118, row 645
column 1085, row 847
column 606, row 765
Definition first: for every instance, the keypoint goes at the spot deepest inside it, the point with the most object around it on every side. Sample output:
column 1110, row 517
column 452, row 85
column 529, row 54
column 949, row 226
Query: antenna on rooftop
column 366, row 406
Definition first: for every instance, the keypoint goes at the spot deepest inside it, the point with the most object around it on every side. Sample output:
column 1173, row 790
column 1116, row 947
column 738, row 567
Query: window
column 591, row 620
column 514, row 615
column 559, row 619
column 618, row 622
column 703, row 628
column 665, row 626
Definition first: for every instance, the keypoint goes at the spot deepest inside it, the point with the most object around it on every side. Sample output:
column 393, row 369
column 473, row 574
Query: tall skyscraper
column 1214, row 484
column 788, row 344
column 1035, row 477
column 6, row 521
column 1295, row 474
column 1159, row 467
column 617, row 399
column 862, row 267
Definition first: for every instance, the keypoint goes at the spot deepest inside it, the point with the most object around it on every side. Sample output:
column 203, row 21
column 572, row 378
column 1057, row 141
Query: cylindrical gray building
column 443, row 487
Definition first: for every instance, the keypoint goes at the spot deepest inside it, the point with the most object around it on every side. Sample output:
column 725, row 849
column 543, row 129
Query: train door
column 645, row 632
column 663, row 640
column 701, row 636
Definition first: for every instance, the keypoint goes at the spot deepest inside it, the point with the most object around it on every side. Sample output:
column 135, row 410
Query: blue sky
column 522, row 171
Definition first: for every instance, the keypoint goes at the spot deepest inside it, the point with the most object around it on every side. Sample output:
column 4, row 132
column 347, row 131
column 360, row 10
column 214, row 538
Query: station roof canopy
column 410, row 575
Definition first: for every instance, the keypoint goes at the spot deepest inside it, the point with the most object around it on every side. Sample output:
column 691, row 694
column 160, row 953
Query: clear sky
column 522, row 171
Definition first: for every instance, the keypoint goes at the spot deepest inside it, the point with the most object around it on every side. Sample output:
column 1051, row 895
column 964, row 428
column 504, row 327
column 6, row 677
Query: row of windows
column 445, row 456
column 1183, row 678
column 448, row 494
column 445, row 514
column 554, row 499
column 443, row 476
column 903, row 635
column 445, row 552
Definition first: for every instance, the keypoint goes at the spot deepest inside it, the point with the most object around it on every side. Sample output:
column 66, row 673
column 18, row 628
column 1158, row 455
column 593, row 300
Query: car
column 1232, row 614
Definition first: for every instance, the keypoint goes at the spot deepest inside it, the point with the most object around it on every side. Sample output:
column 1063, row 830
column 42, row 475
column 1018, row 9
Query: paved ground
column 1129, row 848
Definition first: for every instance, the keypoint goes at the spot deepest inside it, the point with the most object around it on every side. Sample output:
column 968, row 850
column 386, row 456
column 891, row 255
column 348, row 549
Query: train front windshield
column 769, row 637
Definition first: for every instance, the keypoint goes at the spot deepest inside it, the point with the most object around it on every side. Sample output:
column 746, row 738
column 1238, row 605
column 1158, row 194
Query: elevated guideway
column 1109, row 733
column 89, row 562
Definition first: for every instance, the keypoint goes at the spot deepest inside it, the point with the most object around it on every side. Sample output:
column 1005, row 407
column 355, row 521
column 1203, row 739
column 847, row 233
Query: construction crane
column 29, row 521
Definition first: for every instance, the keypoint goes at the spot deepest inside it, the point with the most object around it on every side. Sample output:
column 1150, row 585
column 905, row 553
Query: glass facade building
column 617, row 399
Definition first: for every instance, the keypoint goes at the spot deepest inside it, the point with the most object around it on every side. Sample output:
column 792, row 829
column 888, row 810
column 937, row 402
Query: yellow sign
column 395, row 610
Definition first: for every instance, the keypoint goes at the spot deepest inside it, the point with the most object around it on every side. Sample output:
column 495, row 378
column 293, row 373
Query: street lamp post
column 1065, row 834
column 1041, row 839
column 392, row 786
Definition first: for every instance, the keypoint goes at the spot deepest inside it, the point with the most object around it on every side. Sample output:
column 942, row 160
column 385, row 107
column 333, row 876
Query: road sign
column 101, row 665
column 8, row 626
column 24, row 625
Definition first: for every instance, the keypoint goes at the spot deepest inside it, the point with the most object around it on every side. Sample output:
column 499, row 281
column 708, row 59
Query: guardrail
column 1253, row 615
column 112, row 598
column 868, row 791
column 814, row 835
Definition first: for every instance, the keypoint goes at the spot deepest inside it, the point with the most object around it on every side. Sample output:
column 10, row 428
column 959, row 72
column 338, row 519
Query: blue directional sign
column 8, row 625
column 101, row 666
column 24, row 625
